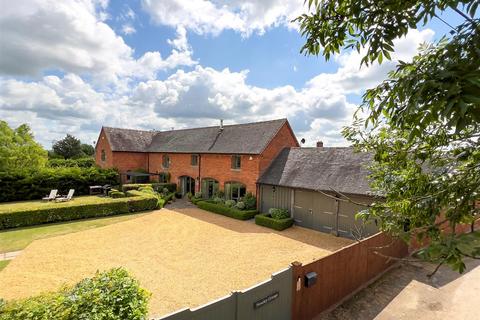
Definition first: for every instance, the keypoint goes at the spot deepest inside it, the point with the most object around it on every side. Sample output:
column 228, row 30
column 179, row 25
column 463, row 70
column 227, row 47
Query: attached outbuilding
column 313, row 184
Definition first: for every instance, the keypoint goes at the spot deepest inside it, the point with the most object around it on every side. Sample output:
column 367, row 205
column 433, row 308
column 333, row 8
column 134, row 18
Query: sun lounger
column 52, row 196
column 68, row 197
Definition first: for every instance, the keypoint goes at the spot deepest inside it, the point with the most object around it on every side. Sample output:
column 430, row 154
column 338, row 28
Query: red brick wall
column 102, row 144
column 125, row 161
column 284, row 138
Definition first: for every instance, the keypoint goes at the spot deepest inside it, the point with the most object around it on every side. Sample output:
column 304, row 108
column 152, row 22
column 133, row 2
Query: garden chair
column 52, row 196
column 68, row 197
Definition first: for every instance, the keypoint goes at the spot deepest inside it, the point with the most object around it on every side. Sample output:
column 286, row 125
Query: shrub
column 74, row 210
column 240, row 205
column 28, row 185
column 219, row 194
column 229, row 212
column 198, row 194
column 189, row 195
column 218, row 200
column 230, row 203
column 116, row 194
column 81, row 162
column 112, row 294
column 172, row 187
column 195, row 200
column 168, row 196
column 278, row 213
column 269, row 222
column 250, row 201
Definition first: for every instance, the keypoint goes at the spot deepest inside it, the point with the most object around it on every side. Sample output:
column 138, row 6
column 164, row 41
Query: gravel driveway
column 185, row 257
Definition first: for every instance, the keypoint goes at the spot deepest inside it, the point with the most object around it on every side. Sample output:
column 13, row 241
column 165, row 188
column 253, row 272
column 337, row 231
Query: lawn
column 19, row 238
column 185, row 258
column 38, row 204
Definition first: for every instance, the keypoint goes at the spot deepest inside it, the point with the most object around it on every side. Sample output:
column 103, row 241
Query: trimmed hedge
column 266, row 220
column 81, row 162
column 229, row 212
column 172, row 187
column 112, row 294
column 74, row 210
column 29, row 185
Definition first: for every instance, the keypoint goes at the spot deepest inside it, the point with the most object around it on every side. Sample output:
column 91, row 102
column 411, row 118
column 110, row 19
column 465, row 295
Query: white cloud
column 128, row 29
column 71, row 36
column 212, row 17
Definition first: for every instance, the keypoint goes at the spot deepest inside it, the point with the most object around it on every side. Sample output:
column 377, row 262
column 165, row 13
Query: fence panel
column 271, row 299
column 341, row 274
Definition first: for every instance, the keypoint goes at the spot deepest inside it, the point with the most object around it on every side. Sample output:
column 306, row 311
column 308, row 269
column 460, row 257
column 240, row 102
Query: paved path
column 9, row 255
column 406, row 292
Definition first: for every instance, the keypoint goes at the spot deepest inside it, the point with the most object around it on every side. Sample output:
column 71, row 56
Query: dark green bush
column 74, row 210
column 28, row 185
column 269, row 222
column 229, row 212
column 112, row 295
column 250, row 201
column 116, row 194
column 82, row 163
column 195, row 200
column 172, row 187
column 278, row 213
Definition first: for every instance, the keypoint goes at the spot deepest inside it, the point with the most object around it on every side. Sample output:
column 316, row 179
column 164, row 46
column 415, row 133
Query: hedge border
column 172, row 187
column 137, row 201
column 226, row 211
column 265, row 220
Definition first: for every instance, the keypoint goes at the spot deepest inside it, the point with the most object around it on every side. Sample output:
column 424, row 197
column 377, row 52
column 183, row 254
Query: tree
column 19, row 150
column 69, row 147
column 87, row 150
column 422, row 123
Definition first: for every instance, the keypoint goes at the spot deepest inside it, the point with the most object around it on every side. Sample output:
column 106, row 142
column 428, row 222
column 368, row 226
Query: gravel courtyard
column 185, row 257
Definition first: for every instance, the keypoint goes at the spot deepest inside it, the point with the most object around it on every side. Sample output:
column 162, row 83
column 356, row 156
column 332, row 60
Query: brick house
column 230, row 158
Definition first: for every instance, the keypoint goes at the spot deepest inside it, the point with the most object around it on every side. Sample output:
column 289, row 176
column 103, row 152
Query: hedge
column 82, row 163
column 28, row 185
column 157, row 186
column 229, row 212
column 112, row 294
column 75, row 209
column 266, row 220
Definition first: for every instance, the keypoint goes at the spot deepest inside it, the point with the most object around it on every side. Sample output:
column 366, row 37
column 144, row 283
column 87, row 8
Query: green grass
column 18, row 239
column 38, row 204
column 3, row 264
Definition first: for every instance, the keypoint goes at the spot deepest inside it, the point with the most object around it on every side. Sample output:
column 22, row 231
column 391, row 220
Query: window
column 236, row 161
column 235, row 190
column 165, row 161
column 194, row 160
column 103, row 155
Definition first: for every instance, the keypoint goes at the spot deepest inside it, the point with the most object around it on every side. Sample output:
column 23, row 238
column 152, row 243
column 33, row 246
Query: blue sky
column 73, row 66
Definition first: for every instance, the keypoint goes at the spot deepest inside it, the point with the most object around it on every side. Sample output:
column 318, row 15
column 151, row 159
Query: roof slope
column 324, row 169
column 249, row 138
column 128, row 139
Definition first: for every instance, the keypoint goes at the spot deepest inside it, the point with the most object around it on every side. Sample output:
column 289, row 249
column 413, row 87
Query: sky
column 74, row 66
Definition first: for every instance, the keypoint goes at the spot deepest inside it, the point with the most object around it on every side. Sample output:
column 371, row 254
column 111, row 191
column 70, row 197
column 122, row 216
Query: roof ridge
column 206, row 127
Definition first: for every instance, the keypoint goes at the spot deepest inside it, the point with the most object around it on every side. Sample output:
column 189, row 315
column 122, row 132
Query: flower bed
column 266, row 220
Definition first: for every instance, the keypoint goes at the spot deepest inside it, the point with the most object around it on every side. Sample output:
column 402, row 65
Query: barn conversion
column 313, row 184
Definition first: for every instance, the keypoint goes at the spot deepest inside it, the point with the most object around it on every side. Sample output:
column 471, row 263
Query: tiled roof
column 340, row 169
column 248, row 138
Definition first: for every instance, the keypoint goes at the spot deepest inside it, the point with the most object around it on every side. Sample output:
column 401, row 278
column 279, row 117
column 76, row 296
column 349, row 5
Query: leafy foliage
column 278, row 213
column 81, row 162
column 112, row 294
column 68, row 147
column 421, row 124
column 250, row 201
column 18, row 149
column 226, row 211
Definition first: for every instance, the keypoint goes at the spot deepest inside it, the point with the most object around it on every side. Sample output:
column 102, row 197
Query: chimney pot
column 221, row 124
column 319, row 144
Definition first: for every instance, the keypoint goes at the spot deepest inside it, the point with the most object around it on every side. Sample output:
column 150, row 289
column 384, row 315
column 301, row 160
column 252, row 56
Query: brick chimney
column 319, row 144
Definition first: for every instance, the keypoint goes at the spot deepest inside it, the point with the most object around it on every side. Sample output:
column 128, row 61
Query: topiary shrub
column 277, row 224
column 189, row 195
column 278, row 213
column 172, row 187
column 112, row 294
column 116, row 194
column 198, row 194
column 229, row 212
column 230, row 203
column 218, row 200
column 240, row 205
